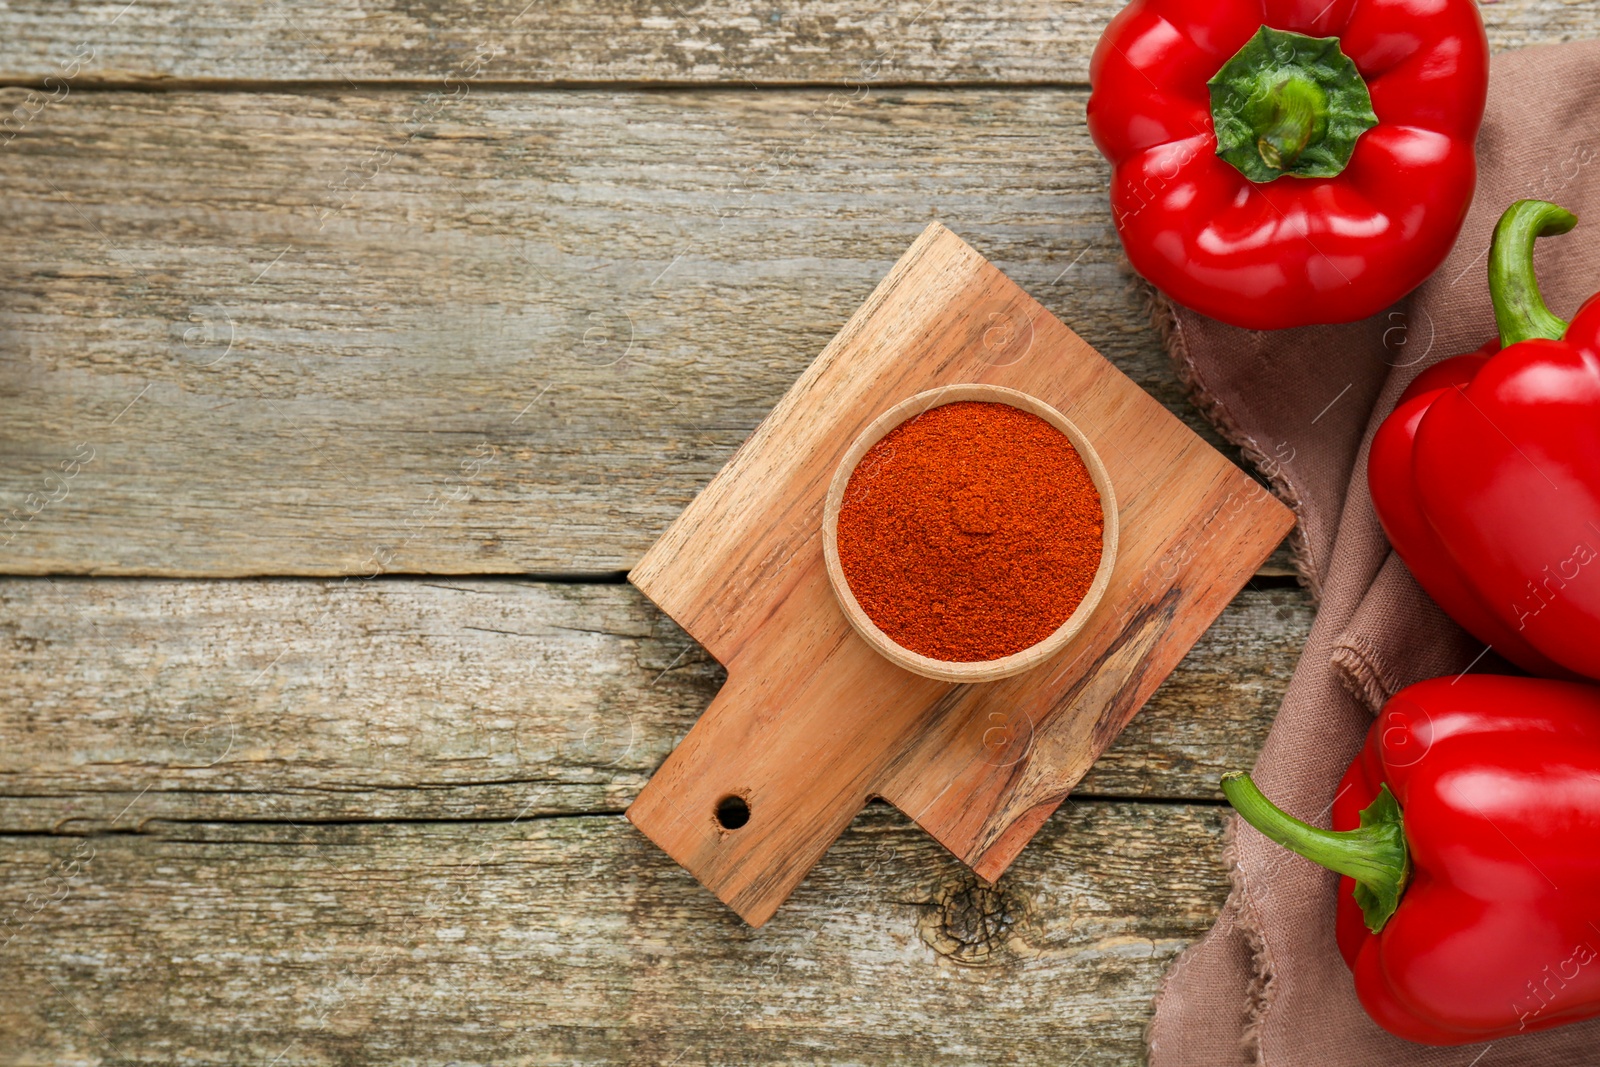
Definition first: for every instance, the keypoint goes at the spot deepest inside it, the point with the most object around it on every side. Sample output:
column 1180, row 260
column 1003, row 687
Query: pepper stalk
column 1375, row 855
column 1519, row 308
column 1289, row 104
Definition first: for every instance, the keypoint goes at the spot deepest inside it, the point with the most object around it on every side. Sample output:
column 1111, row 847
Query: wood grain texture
column 574, row 941
column 813, row 721
column 335, row 300
column 305, row 701
column 520, row 340
column 157, row 42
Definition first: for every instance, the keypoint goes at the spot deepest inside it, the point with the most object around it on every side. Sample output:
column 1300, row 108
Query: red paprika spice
column 970, row 532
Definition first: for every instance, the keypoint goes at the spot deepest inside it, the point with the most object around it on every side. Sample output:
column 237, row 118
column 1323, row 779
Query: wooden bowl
column 975, row 670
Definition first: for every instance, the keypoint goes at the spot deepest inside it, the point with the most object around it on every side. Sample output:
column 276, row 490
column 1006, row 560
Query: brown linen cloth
column 1267, row 984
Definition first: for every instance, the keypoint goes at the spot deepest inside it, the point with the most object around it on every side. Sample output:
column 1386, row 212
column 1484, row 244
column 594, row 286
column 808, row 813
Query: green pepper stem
column 1375, row 855
column 1298, row 116
column 1519, row 309
column 1288, row 104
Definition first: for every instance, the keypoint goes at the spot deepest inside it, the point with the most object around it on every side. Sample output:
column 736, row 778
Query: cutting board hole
column 732, row 812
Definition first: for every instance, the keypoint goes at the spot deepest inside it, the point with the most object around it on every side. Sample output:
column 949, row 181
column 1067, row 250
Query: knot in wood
column 971, row 922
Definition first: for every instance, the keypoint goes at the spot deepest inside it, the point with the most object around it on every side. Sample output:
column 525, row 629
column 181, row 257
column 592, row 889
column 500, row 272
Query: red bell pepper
column 1486, row 477
column 1284, row 162
column 1469, row 907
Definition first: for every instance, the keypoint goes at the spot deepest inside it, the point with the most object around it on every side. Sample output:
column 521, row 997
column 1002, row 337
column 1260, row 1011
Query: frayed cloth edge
column 1359, row 668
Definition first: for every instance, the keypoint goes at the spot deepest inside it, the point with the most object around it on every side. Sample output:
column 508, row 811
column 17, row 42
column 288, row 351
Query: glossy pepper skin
column 1494, row 785
column 1293, row 250
column 1486, row 477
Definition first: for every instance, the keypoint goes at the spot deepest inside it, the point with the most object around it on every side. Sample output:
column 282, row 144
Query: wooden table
column 351, row 354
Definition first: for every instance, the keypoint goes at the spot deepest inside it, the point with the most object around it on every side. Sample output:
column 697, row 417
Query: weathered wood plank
column 338, row 334
column 658, row 41
column 126, row 701
column 573, row 940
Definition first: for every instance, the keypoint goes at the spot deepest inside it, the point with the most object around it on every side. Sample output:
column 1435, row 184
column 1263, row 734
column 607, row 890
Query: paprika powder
column 970, row 532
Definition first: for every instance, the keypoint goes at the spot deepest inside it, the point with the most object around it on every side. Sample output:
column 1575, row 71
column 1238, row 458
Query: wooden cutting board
column 812, row 723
